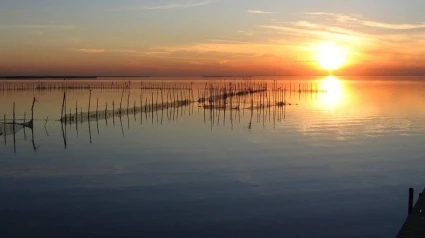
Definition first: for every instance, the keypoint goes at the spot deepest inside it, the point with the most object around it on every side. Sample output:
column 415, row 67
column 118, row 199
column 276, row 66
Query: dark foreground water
column 338, row 164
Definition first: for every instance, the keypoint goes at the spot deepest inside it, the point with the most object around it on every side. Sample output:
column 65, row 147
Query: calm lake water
column 332, row 164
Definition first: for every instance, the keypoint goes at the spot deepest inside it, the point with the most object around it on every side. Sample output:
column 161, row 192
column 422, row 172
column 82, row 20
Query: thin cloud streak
column 260, row 12
column 393, row 26
column 169, row 6
column 177, row 6
column 359, row 20
column 59, row 27
column 329, row 33
column 9, row 12
column 91, row 51
column 114, row 51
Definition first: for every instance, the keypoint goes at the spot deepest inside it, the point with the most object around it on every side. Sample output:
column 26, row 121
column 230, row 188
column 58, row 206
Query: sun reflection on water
column 334, row 94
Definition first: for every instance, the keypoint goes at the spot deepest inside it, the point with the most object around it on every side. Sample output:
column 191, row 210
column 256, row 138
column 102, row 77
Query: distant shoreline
column 68, row 77
column 226, row 76
column 48, row 77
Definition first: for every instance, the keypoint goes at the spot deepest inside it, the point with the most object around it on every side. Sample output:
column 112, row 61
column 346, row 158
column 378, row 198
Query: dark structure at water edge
column 414, row 226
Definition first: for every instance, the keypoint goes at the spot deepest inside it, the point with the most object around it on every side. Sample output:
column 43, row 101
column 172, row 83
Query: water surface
column 332, row 164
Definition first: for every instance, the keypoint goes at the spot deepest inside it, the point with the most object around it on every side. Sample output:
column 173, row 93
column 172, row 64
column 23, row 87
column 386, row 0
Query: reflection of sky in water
column 340, row 162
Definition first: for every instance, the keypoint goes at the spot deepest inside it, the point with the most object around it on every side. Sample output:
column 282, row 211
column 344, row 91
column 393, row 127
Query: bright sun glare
column 334, row 92
column 330, row 56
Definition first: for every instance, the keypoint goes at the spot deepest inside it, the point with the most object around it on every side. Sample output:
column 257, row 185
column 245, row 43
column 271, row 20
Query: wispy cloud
column 318, row 33
column 247, row 33
column 112, row 51
column 9, row 12
column 339, row 17
column 358, row 19
column 230, row 48
column 393, row 26
column 182, row 5
column 58, row 27
column 91, row 51
column 260, row 12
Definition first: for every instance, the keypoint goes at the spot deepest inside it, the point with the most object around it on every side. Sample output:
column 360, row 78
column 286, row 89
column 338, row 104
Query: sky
column 210, row 37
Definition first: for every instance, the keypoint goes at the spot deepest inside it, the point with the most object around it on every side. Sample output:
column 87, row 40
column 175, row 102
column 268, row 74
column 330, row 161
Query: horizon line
column 204, row 76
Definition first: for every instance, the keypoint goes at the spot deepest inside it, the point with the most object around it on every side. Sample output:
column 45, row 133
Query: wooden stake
column 106, row 110
column 410, row 206
column 97, row 107
column 13, row 114
column 122, row 95
column 88, row 111
column 63, row 103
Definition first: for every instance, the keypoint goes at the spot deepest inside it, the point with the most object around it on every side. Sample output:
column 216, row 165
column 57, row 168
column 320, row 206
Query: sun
column 330, row 56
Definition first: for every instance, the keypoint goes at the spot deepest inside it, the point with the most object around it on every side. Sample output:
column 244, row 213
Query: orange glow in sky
column 198, row 37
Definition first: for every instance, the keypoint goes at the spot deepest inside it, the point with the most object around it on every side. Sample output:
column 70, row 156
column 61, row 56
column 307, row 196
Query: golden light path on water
column 335, row 93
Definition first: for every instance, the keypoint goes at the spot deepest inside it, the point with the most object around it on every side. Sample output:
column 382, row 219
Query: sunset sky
column 210, row 37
